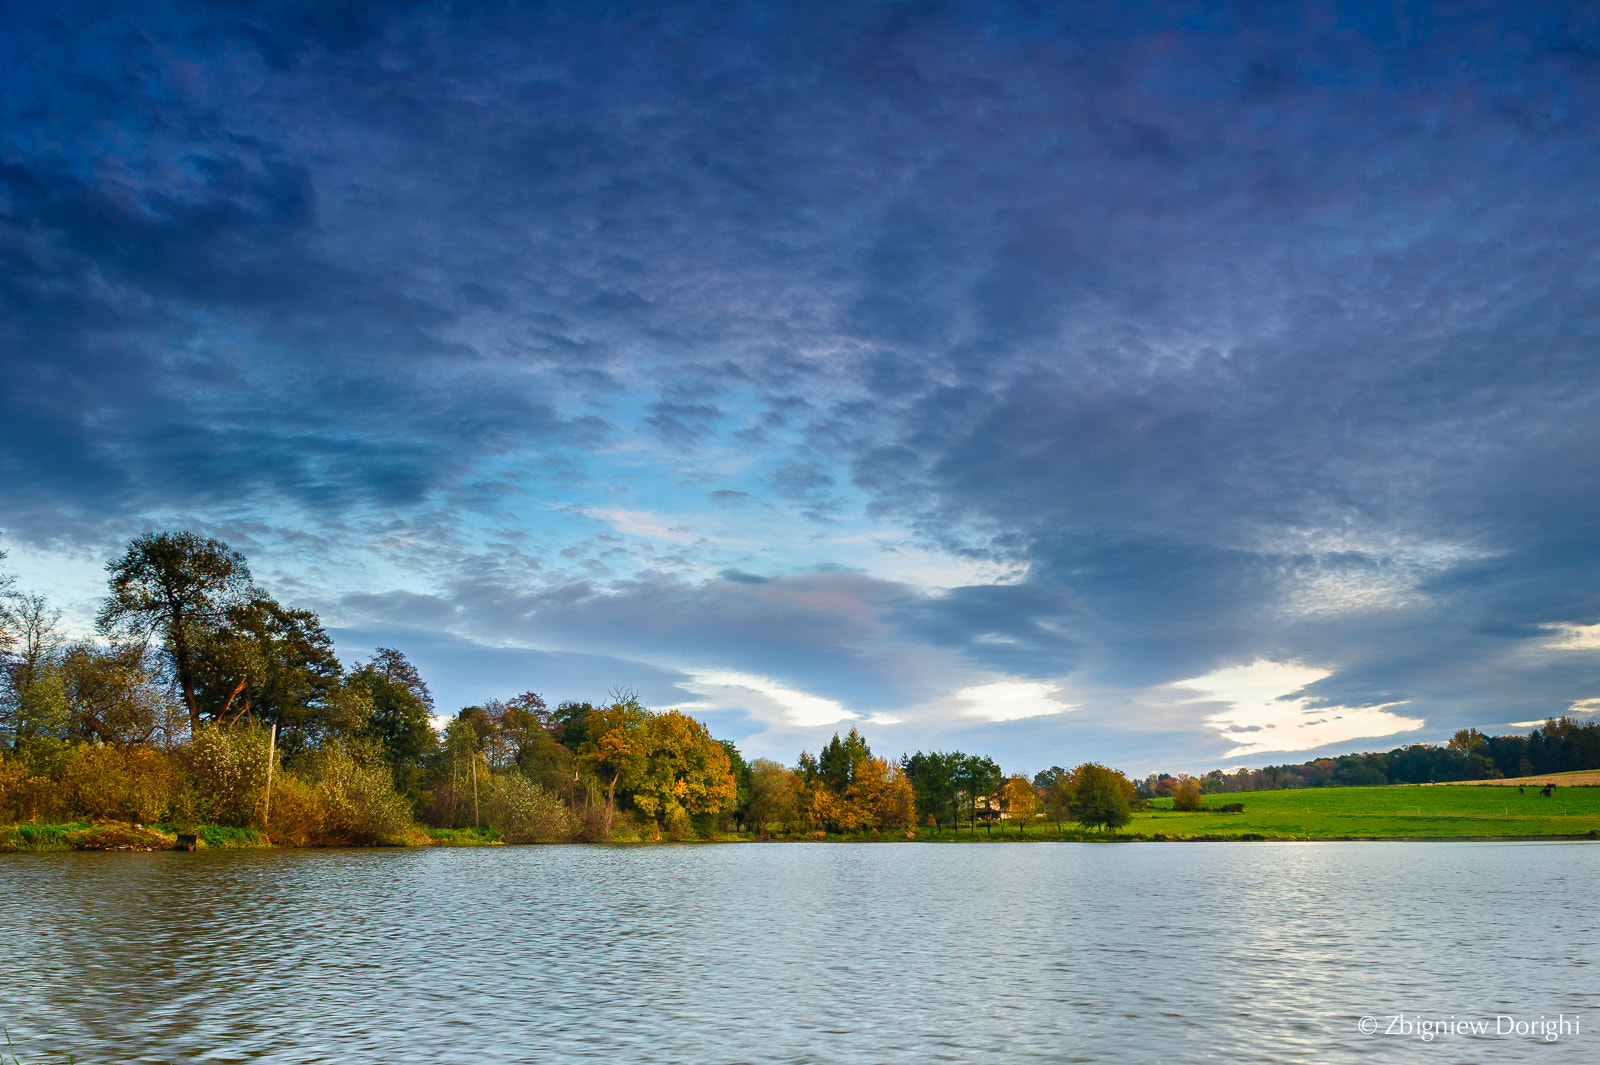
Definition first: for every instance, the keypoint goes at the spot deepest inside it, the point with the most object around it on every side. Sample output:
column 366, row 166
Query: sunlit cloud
column 1264, row 714
column 1012, row 700
column 774, row 703
column 1573, row 638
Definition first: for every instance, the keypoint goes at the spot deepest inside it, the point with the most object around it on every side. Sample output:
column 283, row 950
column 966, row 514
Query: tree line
column 1560, row 745
column 203, row 700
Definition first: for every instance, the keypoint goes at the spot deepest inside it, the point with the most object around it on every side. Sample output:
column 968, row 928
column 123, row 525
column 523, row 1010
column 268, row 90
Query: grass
column 462, row 837
column 38, row 838
column 1396, row 812
column 1576, row 778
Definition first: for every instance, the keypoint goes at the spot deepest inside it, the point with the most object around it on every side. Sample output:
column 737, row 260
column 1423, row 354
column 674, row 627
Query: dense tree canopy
column 180, row 586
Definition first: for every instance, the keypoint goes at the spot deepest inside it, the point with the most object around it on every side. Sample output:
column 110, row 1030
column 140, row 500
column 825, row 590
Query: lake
column 805, row 952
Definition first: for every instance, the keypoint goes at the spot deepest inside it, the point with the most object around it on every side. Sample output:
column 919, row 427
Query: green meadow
column 1397, row 811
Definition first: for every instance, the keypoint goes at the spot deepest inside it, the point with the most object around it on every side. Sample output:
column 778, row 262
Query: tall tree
column 276, row 666
column 933, row 776
column 613, row 749
column 31, row 703
column 401, row 718
column 979, row 776
column 774, row 794
column 180, row 586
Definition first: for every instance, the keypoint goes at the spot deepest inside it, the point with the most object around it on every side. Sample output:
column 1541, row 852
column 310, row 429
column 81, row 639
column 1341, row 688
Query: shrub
column 355, row 797
column 294, row 818
column 101, row 782
column 229, row 769
column 1186, row 796
column 523, row 812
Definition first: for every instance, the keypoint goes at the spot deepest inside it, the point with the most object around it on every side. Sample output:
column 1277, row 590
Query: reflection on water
column 798, row 952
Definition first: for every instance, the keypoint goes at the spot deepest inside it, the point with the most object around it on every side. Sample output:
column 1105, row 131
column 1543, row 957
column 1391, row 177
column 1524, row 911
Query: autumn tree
column 179, row 586
column 683, row 775
column 1186, row 794
column 613, row 747
column 1021, row 800
column 887, row 792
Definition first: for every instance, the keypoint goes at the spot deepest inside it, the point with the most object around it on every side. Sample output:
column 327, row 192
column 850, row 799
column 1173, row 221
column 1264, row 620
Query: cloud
column 1091, row 353
column 1011, row 700
column 1266, row 710
column 779, row 704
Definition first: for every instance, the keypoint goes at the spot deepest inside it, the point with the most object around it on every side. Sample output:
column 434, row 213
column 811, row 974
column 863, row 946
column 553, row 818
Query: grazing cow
column 1547, row 790
column 1520, row 791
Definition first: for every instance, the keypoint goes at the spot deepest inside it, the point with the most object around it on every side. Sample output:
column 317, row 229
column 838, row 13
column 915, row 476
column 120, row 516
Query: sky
column 1178, row 386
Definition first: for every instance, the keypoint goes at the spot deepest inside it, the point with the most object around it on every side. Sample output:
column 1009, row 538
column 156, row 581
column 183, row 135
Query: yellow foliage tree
column 614, row 750
column 1021, row 801
column 683, row 771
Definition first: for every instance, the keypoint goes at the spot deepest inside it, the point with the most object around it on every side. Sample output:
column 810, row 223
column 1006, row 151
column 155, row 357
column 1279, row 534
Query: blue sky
column 1180, row 386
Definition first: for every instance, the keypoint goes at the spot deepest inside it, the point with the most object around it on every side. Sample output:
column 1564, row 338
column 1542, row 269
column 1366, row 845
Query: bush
column 229, row 769
column 293, row 817
column 98, row 781
column 523, row 812
column 355, row 798
column 1186, row 796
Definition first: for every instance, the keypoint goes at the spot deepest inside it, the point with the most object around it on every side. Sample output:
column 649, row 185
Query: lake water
column 805, row 952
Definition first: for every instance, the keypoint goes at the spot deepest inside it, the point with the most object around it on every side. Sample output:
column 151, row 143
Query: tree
column 1021, row 800
column 276, row 666
column 774, row 794
column 32, row 706
column 613, row 747
column 933, row 777
column 741, row 779
column 683, row 775
column 889, row 795
column 978, row 775
column 1059, row 798
column 112, row 694
column 1186, row 796
column 401, row 719
column 180, row 586
column 1100, row 796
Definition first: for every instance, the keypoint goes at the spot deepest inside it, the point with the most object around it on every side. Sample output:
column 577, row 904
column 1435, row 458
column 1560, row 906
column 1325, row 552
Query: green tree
column 1100, row 796
column 400, row 721
column 112, row 695
column 739, row 808
column 276, row 666
column 934, row 778
column 179, row 586
column 774, row 795
column 977, row 776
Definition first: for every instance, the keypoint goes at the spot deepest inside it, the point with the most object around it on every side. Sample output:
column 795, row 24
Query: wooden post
column 272, row 759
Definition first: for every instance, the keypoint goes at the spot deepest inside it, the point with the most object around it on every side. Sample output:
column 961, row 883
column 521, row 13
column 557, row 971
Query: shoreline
column 121, row 837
